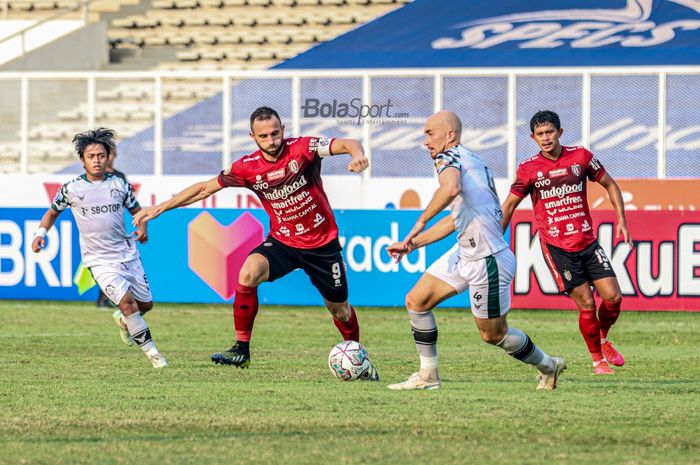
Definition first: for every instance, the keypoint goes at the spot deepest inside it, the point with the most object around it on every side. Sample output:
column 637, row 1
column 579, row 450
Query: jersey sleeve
column 317, row 147
column 61, row 202
column 448, row 159
column 130, row 201
column 233, row 177
column 594, row 168
column 522, row 187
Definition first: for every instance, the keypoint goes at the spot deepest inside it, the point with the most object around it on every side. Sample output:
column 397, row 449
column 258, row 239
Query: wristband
column 41, row 232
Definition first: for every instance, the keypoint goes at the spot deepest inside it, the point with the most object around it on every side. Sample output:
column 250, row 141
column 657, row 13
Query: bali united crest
column 294, row 166
column 567, row 275
column 576, row 170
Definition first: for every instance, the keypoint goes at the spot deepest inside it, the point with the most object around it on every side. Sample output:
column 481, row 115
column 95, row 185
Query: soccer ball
column 348, row 360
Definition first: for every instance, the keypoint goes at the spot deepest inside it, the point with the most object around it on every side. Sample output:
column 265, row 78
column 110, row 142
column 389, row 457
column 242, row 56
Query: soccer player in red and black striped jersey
column 555, row 178
column 285, row 174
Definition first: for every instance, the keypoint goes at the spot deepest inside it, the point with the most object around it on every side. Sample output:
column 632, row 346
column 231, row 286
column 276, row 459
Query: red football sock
column 350, row 330
column 590, row 330
column 245, row 307
column 608, row 313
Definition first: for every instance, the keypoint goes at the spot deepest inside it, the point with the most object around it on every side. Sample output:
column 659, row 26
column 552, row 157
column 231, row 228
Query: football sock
column 245, row 308
column 425, row 335
column 138, row 329
column 590, row 330
column 350, row 330
column 608, row 313
column 518, row 345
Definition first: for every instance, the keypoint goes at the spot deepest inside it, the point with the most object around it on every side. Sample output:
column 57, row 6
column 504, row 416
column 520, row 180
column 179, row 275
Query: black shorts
column 571, row 269
column 324, row 265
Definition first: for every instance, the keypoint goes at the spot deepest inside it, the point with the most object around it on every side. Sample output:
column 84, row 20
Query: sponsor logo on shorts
column 110, row 290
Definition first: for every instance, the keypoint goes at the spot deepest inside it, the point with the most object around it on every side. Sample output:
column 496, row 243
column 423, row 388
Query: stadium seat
column 163, row 4
column 186, row 4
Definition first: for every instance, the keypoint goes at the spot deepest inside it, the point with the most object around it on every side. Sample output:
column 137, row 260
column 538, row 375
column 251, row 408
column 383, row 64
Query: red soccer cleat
column 602, row 368
column 611, row 354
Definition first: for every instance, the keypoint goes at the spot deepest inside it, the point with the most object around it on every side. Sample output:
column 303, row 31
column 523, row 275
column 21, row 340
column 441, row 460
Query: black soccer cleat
column 235, row 356
column 370, row 374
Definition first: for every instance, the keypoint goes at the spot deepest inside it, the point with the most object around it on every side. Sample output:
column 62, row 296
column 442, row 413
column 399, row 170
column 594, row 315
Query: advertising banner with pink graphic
column 662, row 271
column 195, row 255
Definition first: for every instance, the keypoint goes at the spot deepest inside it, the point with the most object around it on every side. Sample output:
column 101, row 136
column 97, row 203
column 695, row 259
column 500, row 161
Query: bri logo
column 629, row 26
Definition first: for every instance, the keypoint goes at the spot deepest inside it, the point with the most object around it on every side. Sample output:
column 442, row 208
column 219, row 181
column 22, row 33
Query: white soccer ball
column 348, row 360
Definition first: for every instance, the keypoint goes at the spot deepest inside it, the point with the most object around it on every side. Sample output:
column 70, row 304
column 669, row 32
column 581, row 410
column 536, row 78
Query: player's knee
column 586, row 303
column 616, row 298
column 250, row 277
column 145, row 306
column 416, row 303
column 493, row 335
column 340, row 312
column 128, row 305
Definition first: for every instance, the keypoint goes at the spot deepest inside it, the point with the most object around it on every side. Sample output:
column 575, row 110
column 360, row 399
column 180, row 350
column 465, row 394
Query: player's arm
column 46, row 223
column 618, row 204
column 450, row 187
column 508, row 207
column 358, row 161
column 194, row 193
column 141, row 232
column 436, row 232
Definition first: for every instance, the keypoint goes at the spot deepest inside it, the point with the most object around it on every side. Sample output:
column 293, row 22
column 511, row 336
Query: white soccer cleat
column 157, row 360
column 415, row 382
column 548, row 382
column 123, row 332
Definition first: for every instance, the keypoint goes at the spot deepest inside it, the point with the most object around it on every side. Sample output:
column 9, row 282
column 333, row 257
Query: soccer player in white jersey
column 481, row 261
column 98, row 200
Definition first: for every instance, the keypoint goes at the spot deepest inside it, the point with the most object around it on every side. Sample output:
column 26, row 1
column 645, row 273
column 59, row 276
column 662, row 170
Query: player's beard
column 273, row 154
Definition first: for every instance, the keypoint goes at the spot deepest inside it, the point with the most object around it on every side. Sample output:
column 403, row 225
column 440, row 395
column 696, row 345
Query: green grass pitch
column 72, row 393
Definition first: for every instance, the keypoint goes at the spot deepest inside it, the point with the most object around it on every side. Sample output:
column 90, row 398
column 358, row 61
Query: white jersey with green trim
column 476, row 211
column 98, row 208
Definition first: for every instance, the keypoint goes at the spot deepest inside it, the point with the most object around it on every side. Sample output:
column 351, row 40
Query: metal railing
column 655, row 125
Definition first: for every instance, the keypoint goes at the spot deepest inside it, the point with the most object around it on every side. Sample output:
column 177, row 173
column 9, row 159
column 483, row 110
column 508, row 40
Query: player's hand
column 622, row 231
column 141, row 234
column 144, row 215
column 38, row 243
column 397, row 250
column 358, row 163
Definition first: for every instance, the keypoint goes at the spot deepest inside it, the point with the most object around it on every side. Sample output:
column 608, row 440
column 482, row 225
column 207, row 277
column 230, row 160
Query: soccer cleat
column 611, row 354
column 234, row 356
column 123, row 332
column 548, row 382
column 157, row 360
column 415, row 382
column 602, row 368
column 370, row 375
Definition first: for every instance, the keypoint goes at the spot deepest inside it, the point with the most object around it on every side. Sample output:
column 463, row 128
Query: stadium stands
column 202, row 31
column 182, row 35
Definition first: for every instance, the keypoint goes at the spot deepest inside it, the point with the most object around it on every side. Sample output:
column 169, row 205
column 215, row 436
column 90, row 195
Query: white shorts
column 488, row 280
column 116, row 279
